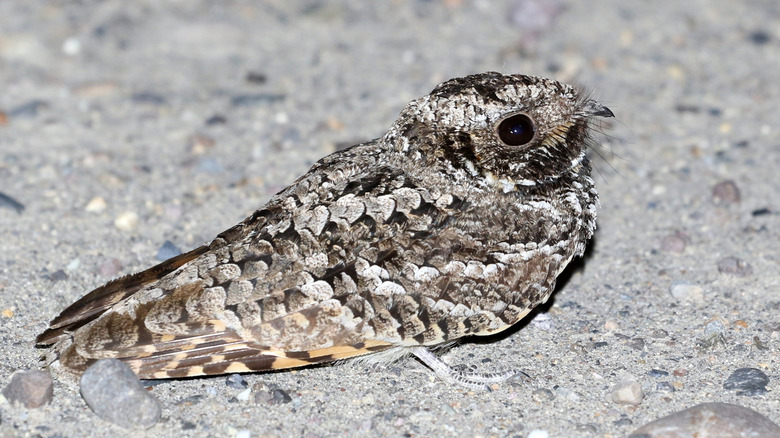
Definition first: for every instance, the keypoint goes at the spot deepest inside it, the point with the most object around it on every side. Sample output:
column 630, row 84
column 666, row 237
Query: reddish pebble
column 726, row 192
column 675, row 242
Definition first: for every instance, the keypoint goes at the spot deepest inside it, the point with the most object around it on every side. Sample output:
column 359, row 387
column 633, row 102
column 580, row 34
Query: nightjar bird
column 454, row 223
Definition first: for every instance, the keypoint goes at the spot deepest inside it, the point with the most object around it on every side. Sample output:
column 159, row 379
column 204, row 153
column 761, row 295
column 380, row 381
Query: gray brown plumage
column 455, row 223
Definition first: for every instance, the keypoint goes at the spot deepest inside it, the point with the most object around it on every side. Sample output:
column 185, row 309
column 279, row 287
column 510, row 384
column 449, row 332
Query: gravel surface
column 129, row 129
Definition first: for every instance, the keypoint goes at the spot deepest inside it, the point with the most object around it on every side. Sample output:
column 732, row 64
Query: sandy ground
column 187, row 116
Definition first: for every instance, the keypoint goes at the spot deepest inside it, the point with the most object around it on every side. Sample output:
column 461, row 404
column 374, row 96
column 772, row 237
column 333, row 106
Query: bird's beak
column 593, row 108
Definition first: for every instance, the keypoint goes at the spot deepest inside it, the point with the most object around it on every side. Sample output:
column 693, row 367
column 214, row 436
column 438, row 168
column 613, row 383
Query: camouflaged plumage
column 435, row 231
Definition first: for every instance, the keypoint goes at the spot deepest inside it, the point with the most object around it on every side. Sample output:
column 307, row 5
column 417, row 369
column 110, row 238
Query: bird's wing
column 287, row 287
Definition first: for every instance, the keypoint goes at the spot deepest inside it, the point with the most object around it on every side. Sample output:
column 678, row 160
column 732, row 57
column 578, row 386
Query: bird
column 455, row 223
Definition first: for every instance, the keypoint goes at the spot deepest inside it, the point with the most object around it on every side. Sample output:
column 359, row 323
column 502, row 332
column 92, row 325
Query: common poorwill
column 454, row 223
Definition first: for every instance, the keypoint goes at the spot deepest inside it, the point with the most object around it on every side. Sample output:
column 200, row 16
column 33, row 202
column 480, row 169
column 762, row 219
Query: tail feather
column 238, row 357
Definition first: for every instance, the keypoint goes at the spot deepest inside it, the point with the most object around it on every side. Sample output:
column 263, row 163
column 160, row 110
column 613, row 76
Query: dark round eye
column 516, row 130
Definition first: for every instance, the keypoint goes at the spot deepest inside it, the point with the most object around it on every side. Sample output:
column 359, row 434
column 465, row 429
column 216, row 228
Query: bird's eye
column 516, row 130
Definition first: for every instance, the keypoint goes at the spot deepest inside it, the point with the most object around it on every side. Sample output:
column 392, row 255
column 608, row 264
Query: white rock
column 627, row 392
column 126, row 221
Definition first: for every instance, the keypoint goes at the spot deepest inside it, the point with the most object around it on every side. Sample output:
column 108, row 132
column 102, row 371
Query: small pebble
column 126, row 221
column 256, row 78
column 31, row 389
column 113, row 392
column 659, row 333
column 244, row 395
column 281, row 396
column 566, row 393
column 236, row 381
column 538, row 433
column 734, row 266
column 9, row 202
column 275, row 397
column 582, row 347
column 71, row 46
column 747, row 381
column 627, row 392
column 759, row 37
column 711, row 420
column 200, row 143
column 657, row 373
column 725, row 192
column 73, row 265
column 675, row 243
column 188, row 425
column 542, row 395
column 686, row 292
column 167, row 250
column 636, row 344
column 664, row 387
column 58, row 275
column 216, row 119
column 148, row 97
column 543, row 321
column 256, row 99
column 96, row 205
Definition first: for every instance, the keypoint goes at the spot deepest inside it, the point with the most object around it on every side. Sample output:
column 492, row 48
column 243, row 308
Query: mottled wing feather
column 103, row 298
column 186, row 324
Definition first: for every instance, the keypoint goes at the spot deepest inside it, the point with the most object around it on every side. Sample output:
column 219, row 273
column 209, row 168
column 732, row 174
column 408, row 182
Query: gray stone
column 747, row 381
column 273, row 397
column 711, row 420
column 236, row 381
column 115, row 394
column 726, row 192
column 30, row 389
column 167, row 250
column 734, row 266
